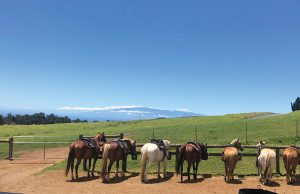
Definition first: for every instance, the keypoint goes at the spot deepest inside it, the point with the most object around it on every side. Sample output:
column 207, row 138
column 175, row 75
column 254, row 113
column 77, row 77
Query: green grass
column 276, row 130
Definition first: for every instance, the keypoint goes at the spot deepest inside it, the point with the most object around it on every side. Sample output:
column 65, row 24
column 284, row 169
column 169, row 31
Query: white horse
column 151, row 153
column 266, row 161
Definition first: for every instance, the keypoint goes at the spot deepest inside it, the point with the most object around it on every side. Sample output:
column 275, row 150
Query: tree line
column 37, row 118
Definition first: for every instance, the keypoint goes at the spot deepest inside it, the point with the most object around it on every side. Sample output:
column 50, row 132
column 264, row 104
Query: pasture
column 275, row 129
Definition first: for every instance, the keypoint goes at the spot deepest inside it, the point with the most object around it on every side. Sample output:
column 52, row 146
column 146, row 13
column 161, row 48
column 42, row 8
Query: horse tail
column 105, row 158
column 289, row 162
column 143, row 164
column 267, row 165
column 71, row 158
column 180, row 159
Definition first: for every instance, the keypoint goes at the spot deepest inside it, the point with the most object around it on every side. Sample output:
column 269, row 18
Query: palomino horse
column 81, row 150
column 151, row 152
column 266, row 161
column 192, row 153
column 230, row 158
column 115, row 151
column 291, row 158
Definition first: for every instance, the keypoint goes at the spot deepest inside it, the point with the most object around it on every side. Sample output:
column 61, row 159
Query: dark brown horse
column 192, row 153
column 116, row 151
column 291, row 158
column 81, row 150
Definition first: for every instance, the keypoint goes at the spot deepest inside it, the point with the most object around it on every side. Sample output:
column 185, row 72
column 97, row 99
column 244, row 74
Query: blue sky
column 210, row 57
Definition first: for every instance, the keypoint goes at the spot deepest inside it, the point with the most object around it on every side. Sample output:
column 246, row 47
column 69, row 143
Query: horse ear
column 238, row 138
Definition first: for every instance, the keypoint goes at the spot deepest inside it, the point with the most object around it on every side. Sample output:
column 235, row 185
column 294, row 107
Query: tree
column 1, row 120
column 296, row 105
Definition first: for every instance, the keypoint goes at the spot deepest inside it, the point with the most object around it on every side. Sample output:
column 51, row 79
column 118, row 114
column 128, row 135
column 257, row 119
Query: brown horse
column 81, row 150
column 192, row 153
column 291, row 158
column 116, row 151
column 230, row 158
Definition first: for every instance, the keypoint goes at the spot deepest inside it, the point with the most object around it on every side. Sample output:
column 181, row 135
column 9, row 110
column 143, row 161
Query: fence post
column 153, row 133
column 80, row 136
column 176, row 156
column 44, row 148
column 121, row 135
column 297, row 122
column 277, row 161
column 10, row 148
column 247, row 133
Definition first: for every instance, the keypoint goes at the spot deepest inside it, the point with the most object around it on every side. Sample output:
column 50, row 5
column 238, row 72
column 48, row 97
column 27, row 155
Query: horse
column 291, row 158
column 152, row 152
column 192, row 153
column 81, row 150
column 266, row 161
column 102, row 140
column 230, row 157
column 116, row 151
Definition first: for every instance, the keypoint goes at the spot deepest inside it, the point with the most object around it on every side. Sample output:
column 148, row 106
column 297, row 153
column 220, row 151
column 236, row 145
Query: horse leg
column 197, row 164
column 93, row 169
column 76, row 168
column 181, row 171
column 188, row 169
column 117, row 168
column 226, row 171
column 165, row 168
column 108, row 170
column 146, row 171
column 72, row 168
column 293, row 175
column 158, row 170
column 123, row 167
column 194, row 171
column 89, row 169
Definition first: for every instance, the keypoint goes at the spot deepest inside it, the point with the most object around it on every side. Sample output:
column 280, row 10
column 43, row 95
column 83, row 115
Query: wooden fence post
column 10, row 148
column 121, row 135
column 277, row 161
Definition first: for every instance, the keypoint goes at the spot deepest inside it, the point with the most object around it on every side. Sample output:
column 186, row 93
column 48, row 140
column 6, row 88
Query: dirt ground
column 17, row 177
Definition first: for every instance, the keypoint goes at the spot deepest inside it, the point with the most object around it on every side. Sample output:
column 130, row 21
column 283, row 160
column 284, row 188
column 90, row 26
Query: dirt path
column 14, row 172
column 18, row 178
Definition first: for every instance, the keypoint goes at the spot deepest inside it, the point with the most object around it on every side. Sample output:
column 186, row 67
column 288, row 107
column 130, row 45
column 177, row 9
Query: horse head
column 261, row 144
column 132, row 148
column 167, row 143
column 204, row 154
column 236, row 143
column 100, row 137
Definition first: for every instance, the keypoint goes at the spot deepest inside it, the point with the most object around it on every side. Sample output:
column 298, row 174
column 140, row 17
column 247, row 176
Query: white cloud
column 130, row 111
column 99, row 108
column 182, row 109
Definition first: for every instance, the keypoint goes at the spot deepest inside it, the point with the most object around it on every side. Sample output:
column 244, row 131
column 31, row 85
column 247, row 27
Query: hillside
column 212, row 129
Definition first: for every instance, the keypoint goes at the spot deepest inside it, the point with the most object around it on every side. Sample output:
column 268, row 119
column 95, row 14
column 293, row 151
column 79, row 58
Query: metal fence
column 17, row 145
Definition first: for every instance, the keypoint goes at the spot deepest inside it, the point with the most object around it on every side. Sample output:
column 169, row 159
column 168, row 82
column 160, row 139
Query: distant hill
column 109, row 113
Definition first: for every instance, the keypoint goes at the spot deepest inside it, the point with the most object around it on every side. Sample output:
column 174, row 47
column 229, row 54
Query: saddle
column 161, row 146
column 91, row 143
column 122, row 145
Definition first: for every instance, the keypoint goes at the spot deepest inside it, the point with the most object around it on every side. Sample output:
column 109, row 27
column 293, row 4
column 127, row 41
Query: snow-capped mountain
column 123, row 113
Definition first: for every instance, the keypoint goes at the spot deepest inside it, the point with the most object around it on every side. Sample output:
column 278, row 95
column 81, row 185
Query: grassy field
column 275, row 129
